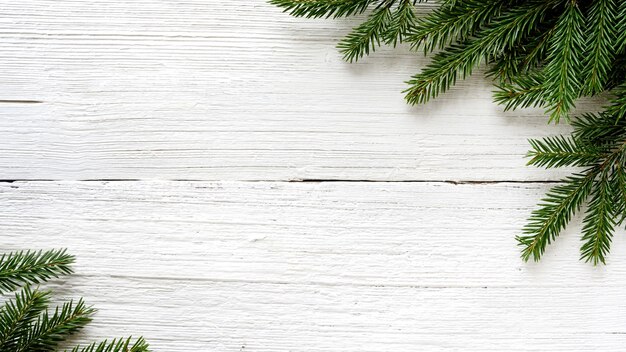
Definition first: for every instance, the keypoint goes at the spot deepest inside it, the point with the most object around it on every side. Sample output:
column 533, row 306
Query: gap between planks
column 312, row 180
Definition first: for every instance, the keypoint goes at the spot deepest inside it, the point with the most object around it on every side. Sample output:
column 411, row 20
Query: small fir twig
column 28, row 323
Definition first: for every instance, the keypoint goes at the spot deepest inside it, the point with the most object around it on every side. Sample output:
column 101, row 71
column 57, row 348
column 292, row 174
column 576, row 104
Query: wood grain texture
column 156, row 89
column 223, row 92
column 331, row 266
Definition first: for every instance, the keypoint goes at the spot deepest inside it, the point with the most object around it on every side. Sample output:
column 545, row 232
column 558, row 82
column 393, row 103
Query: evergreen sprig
column 27, row 323
column 540, row 53
column 526, row 91
column 460, row 59
column 560, row 151
column 17, row 314
column 401, row 21
column 453, row 22
column 30, row 267
column 597, row 143
column 555, row 211
column 564, row 62
column 601, row 45
column 366, row 36
column 115, row 345
column 50, row 328
column 324, row 8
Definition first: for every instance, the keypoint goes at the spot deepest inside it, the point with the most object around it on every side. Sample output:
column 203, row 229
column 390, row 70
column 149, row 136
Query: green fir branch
column 599, row 221
column 17, row 315
column 537, row 51
column 606, row 206
column 524, row 91
column 402, row 20
column 563, row 70
column 621, row 28
column 453, row 22
column 32, row 267
column 366, row 36
column 26, row 322
column 554, row 212
column 598, row 129
column 460, row 59
column 323, row 8
column 119, row 345
column 617, row 109
column 506, row 66
column 519, row 62
column 52, row 328
column 560, row 151
column 617, row 76
column 599, row 46
column 619, row 181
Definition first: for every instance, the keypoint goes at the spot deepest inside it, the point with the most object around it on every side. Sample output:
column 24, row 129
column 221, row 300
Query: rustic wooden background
column 229, row 184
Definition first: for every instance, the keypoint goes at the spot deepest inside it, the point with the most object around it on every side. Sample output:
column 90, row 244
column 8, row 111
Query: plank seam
column 453, row 182
column 13, row 101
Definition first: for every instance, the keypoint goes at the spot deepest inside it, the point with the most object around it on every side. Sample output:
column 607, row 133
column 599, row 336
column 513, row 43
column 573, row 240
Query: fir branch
column 32, row 267
column 17, row 314
column 26, row 324
column 619, row 180
column 366, row 36
column 621, row 28
column 526, row 91
column 323, row 8
column 598, row 129
column 516, row 63
column 402, row 20
column 506, row 66
column 599, row 46
column 453, row 22
column 538, row 50
column 617, row 76
column 563, row 71
column 607, row 197
column 562, row 151
column 119, row 345
column 460, row 59
column 555, row 211
column 617, row 109
column 599, row 221
column 50, row 329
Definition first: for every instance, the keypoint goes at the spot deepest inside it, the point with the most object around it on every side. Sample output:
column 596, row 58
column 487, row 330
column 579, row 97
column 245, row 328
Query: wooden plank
column 232, row 91
column 331, row 266
column 184, row 315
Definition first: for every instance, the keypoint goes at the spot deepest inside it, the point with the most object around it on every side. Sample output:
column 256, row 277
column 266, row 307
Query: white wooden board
column 159, row 92
column 232, row 91
column 337, row 266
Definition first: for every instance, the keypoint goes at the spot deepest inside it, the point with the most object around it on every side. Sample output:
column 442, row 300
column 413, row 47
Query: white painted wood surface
column 199, row 266
column 214, row 90
column 231, row 93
